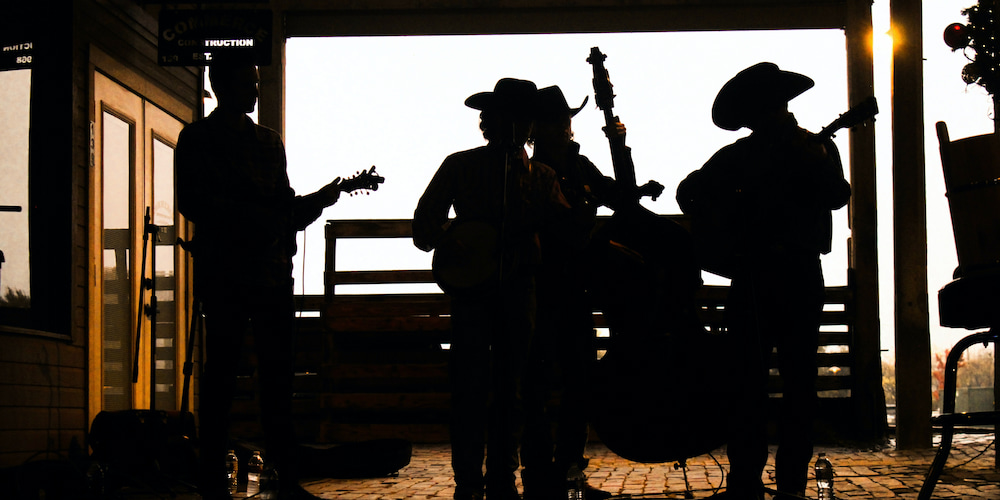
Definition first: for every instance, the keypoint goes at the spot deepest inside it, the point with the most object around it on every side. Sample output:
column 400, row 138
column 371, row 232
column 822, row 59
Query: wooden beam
column 913, row 348
column 512, row 17
column 271, row 105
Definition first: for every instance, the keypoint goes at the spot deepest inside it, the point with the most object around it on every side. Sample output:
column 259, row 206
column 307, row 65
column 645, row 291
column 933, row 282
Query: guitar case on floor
column 148, row 446
column 360, row 460
column 364, row 459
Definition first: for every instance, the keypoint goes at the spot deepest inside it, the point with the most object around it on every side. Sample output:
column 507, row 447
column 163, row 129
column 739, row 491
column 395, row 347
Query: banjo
column 468, row 258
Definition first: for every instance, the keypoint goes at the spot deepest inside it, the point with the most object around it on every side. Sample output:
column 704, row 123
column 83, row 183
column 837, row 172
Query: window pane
column 15, row 275
column 117, row 160
column 166, row 283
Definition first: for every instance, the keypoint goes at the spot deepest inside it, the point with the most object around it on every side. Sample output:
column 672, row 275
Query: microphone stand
column 149, row 229
column 511, row 152
column 197, row 326
column 502, row 240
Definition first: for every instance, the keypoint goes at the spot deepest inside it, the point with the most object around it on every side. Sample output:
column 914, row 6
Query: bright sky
column 397, row 103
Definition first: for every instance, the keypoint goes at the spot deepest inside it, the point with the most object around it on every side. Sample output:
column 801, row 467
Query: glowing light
column 883, row 44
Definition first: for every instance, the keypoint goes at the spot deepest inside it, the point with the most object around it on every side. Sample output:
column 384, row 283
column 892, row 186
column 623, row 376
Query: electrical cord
column 298, row 311
column 981, row 453
column 722, row 472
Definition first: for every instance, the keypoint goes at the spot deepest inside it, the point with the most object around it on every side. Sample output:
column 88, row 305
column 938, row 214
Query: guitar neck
column 865, row 110
column 829, row 130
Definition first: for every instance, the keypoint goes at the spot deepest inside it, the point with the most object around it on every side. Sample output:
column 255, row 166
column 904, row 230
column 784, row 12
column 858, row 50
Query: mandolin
column 365, row 180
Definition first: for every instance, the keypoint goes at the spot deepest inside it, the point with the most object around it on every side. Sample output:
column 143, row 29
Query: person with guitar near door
column 232, row 183
column 563, row 352
column 761, row 209
column 486, row 260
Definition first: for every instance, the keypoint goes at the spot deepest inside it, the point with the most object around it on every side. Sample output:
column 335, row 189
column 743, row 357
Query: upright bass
column 658, row 402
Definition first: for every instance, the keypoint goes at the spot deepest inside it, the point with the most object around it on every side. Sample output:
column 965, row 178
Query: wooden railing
column 385, row 368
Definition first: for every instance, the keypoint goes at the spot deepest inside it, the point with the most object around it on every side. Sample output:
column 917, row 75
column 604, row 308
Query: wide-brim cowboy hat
column 552, row 103
column 509, row 93
column 753, row 89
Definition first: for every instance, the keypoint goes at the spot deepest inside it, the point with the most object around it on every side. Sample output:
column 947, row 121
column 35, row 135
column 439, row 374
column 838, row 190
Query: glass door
column 135, row 285
column 161, row 139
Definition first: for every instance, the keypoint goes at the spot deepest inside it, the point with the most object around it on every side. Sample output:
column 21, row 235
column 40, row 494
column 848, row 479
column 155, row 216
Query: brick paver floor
column 860, row 474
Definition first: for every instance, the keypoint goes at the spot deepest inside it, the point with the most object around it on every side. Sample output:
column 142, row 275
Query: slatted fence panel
column 385, row 370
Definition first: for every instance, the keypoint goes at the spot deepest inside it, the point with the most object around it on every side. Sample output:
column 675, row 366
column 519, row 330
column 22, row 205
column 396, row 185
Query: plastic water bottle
column 255, row 469
column 95, row 480
column 824, row 477
column 232, row 471
column 576, row 484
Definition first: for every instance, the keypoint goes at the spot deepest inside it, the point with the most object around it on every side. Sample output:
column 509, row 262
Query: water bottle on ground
column 576, row 484
column 232, row 471
column 255, row 469
column 95, row 480
column 824, row 477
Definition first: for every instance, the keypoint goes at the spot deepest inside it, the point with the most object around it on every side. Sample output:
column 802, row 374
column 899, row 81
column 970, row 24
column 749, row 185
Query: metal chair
column 972, row 301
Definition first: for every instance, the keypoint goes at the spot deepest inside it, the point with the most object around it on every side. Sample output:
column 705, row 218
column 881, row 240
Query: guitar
column 367, row 180
column 713, row 229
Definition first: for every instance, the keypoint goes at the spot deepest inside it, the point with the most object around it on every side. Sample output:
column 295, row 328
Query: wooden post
column 996, row 348
column 271, row 105
column 867, row 395
column 913, row 349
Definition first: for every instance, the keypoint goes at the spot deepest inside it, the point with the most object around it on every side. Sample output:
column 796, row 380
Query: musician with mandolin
column 761, row 213
column 486, row 260
column 233, row 185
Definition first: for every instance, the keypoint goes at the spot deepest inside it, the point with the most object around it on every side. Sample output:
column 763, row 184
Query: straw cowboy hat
column 752, row 89
column 511, row 93
column 552, row 103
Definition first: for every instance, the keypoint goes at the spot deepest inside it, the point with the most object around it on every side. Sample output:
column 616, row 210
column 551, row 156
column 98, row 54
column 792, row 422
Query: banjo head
column 467, row 260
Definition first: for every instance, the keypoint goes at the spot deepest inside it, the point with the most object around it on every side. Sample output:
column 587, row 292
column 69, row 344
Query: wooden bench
column 385, row 373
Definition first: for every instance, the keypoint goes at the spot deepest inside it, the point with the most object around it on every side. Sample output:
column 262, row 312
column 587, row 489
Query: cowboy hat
column 520, row 95
column 552, row 103
column 753, row 88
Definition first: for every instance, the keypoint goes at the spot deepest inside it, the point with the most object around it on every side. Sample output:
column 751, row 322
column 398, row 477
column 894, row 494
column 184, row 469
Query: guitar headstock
column 863, row 111
column 365, row 180
column 860, row 113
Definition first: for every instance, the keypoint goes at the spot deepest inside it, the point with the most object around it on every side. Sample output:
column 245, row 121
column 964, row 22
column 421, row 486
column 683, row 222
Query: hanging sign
column 15, row 55
column 191, row 37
